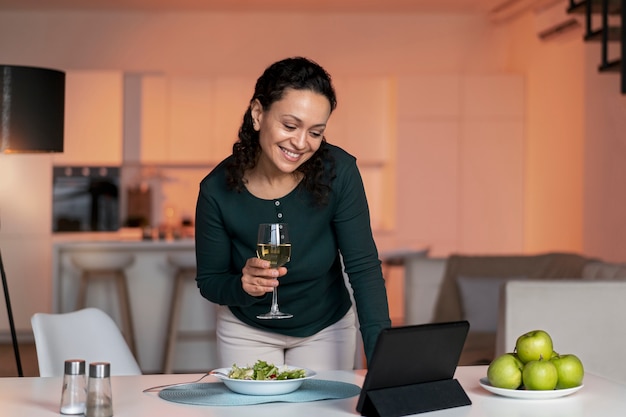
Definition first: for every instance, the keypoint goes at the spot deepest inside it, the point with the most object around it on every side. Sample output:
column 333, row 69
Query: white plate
column 527, row 394
column 271, row 387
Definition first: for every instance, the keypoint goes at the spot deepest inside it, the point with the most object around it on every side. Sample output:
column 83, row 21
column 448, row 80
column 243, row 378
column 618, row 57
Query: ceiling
column 447, row 6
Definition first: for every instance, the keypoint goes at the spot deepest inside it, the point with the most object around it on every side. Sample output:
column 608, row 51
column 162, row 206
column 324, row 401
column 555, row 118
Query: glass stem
column 274, row 308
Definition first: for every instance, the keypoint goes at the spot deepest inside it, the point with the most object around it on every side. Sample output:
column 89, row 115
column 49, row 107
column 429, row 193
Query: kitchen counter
column 150, row 282
column 181, row 244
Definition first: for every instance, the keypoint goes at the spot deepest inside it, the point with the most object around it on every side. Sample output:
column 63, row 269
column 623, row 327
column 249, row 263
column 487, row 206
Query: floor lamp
column 32, row 109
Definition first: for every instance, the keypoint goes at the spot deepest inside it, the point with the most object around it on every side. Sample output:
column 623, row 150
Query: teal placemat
column 212, row 393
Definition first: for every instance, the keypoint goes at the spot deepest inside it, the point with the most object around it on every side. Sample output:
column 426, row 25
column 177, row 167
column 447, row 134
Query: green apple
column 505, row 371
column 569, row 369
column 540, row 375
column 533, row 346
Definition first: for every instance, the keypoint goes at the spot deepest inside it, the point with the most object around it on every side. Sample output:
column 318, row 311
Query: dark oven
column 85, row 198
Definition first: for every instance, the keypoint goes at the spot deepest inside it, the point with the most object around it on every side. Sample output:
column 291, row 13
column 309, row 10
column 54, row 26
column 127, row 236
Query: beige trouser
column 241, row 344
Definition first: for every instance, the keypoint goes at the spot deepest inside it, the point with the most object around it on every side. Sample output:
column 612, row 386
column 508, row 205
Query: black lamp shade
column 32, row 109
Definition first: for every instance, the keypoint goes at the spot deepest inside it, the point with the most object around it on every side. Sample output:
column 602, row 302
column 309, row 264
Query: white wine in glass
column 273, row 245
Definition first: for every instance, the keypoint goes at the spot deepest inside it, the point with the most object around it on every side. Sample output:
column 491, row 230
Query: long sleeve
column 218, row 280
column 360, row 256
column 313, row 289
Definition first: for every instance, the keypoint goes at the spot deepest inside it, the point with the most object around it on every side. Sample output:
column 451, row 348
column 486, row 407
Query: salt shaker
column 99, row 394
column 74, row 392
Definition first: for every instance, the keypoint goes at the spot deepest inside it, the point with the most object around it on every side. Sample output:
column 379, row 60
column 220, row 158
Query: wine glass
column 273, row 245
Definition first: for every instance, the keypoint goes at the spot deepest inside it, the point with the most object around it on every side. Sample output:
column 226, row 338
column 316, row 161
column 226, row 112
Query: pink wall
column 216, row 45
column 240, row 44
column 576, row 145
column 562, row 204
column 561, row 184
column 555, row 136
column 605, row 163
column 461, row 163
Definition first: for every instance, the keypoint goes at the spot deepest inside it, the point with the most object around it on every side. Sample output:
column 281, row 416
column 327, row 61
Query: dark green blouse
column 314, row 289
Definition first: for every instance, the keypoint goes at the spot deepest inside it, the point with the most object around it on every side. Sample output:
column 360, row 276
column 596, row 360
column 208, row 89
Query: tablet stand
column 414, row 399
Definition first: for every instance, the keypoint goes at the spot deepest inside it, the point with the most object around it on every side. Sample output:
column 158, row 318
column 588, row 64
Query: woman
column 282, row 170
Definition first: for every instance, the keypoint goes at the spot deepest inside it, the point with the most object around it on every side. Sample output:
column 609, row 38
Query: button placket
column 279, row 213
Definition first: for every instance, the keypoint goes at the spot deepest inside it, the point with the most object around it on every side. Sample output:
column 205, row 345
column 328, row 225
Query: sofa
column 469, row 287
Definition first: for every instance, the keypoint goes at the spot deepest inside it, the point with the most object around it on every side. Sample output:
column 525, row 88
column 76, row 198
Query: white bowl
column 269, row 387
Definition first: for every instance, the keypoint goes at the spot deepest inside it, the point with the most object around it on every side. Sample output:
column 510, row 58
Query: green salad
column 263, row 371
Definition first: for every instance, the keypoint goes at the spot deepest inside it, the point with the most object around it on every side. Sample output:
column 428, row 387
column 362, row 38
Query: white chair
column 584, row 317
column 88, row 334
column 423, row 276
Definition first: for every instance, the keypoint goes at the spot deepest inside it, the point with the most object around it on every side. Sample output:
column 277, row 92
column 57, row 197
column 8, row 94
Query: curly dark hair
column 296, row 73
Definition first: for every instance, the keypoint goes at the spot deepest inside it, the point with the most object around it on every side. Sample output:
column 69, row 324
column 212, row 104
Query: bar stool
column 107, row 266
column 185, row 269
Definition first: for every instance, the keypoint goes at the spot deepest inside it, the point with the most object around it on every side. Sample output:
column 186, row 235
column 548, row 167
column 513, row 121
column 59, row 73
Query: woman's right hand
column 258, row 278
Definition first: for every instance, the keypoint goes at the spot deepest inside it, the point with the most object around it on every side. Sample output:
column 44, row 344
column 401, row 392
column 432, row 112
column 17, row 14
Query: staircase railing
column 623, row 52
column 606, row 33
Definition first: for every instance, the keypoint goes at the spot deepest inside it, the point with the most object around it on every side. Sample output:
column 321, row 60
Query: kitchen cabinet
column 364, row 125
column 190, row 120
column 152, row 134
column 364, row 120
column 93, row 118
column 187, row 119
column 232, row 94
column 191, row 102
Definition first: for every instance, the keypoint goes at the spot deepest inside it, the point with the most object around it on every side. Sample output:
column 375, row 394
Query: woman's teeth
column 290, row 154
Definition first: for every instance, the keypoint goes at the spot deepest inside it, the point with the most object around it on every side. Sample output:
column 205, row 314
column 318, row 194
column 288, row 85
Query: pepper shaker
column 74, row 392
column 99, row 393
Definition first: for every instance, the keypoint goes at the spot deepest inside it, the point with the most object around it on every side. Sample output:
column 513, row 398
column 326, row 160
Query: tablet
column 416, row 354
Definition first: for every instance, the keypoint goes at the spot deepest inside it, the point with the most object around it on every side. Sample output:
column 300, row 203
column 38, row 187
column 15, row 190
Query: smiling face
column 290, row 131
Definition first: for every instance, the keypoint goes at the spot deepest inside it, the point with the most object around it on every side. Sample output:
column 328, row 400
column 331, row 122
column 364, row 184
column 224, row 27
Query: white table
column 39, row 397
